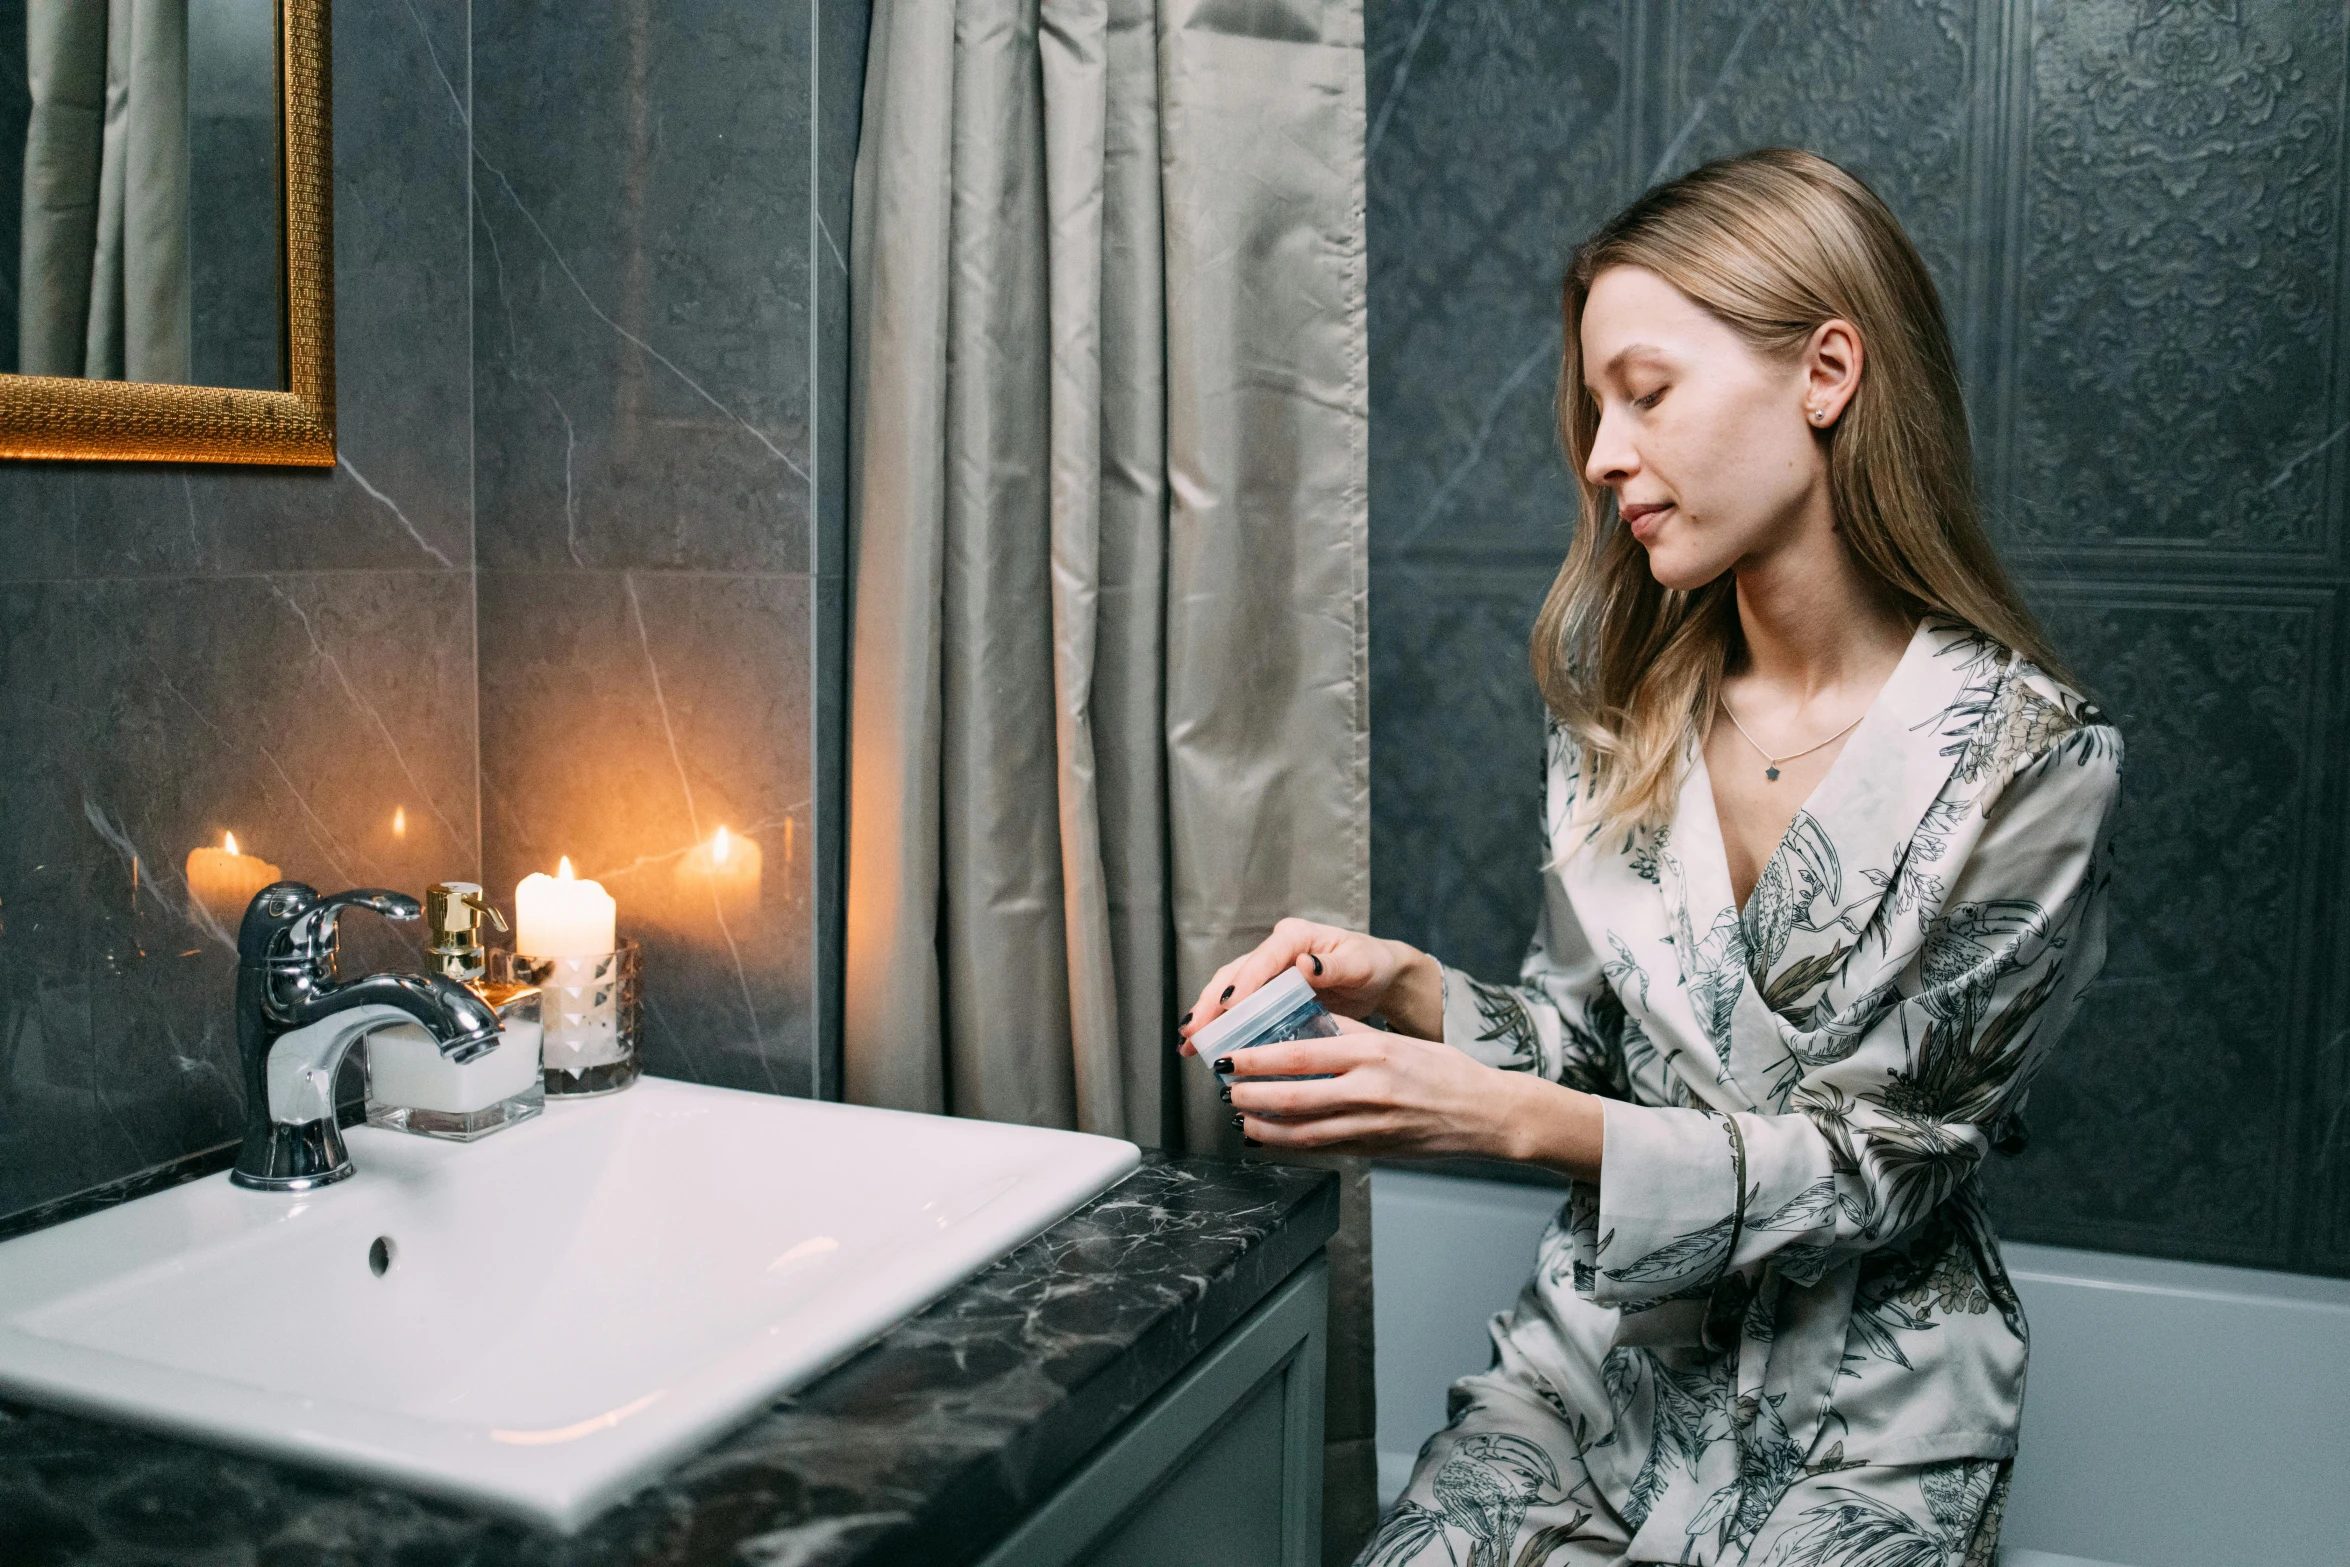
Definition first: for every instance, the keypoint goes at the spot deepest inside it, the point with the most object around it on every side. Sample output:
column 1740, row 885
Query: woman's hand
column 1393, row 1095
column 1354, row 975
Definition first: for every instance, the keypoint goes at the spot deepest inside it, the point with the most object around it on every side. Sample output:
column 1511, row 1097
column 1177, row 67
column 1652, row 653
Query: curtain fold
column 1109, row 407
column 65, row 49
column 106, row 291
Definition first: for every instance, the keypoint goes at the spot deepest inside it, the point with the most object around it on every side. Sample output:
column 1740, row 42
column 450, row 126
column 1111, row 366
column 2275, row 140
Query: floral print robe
column 1784, row 1283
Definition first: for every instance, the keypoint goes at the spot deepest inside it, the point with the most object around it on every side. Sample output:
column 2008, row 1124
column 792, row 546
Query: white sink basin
column 568, row 1306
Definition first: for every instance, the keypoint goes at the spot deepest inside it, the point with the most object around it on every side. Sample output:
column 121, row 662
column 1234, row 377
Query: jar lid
column 1268, row 1003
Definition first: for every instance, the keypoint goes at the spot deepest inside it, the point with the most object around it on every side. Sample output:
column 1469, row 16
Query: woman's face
column 1710, row 448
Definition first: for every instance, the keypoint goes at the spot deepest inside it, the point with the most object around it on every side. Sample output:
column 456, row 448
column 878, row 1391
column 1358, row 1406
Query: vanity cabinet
column 1223, row 1468
column 1169, row 1334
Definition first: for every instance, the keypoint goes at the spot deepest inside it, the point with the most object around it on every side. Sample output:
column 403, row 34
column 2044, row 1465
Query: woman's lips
column 1644, row 521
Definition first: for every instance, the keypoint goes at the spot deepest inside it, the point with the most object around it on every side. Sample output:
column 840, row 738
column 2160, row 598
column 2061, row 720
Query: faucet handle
column 313, row 934
column 288, row 922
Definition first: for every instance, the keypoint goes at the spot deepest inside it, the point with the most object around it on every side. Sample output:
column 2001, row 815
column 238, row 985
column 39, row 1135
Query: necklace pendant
column 1772, row 773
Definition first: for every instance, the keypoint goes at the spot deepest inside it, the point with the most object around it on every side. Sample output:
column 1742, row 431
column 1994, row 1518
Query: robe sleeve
column 1882, row 1127
column 1560, row 1020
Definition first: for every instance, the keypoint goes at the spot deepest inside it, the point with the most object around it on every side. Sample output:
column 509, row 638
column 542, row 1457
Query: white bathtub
column 2179, row 1415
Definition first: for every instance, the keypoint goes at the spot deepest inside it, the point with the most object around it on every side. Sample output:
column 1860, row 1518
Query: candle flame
column 563, row 870
column 228, row 841
column 719, row 847
column 399, row 821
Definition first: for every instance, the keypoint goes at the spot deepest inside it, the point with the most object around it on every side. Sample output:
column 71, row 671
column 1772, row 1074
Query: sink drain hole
column 379, row 1256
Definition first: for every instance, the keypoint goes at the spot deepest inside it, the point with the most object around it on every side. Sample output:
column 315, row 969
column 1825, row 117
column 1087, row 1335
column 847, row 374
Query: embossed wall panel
column 1894, row 90
column 2132, row 209
column 1497, row 139
column 2166, row 1120
column 2176, row 368
column 1494, row 147
column 1456, row 803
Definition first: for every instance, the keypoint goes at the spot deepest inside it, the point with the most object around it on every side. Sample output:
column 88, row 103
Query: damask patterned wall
column 2134, row 211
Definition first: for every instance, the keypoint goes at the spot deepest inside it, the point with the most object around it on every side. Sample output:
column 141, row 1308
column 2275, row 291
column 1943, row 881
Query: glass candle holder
column 590, row 1016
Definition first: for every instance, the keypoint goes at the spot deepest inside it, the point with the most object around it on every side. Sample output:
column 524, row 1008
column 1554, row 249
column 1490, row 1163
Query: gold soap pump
column 410, row 1087
column 454, row 912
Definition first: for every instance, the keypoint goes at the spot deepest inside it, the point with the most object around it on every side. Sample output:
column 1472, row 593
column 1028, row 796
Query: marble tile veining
column 650, row 375
column 288, row 655
column 626, row 717
column 580, row 277
column 641, row 308
column 325, row 718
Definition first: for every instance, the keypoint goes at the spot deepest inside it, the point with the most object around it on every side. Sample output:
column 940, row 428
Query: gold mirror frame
column 58, row 417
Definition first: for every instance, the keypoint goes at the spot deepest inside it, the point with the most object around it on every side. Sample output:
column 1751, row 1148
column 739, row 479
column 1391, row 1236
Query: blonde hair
column 1773, row 243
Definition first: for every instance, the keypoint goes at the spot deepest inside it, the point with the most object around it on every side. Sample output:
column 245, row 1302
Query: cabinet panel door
column 1222, row 1469
column 1222, row 1504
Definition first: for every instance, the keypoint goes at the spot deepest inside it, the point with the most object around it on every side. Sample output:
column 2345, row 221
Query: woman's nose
column 1612, row 458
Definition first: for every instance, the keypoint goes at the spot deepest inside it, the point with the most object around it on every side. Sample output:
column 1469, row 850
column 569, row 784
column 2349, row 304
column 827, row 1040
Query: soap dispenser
column 412, row 1087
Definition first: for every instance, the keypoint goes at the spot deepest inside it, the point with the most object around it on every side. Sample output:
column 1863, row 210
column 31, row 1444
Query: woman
column 1824, row 874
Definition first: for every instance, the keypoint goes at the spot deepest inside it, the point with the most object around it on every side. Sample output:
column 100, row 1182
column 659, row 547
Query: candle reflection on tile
column 721, row 876
column 222, row 881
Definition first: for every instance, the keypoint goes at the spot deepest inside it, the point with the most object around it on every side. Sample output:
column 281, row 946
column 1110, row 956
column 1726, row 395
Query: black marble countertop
column 925, row 1448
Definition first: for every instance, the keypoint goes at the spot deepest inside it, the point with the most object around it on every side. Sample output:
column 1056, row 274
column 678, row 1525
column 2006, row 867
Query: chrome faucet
column 297, row 1019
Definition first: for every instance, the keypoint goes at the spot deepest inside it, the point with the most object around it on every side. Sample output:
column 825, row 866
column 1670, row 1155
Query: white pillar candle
column 570, row 922
column 560, row 916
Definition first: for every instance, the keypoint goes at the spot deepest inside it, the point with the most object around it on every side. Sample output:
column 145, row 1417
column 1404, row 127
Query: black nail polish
column 1224, row 1064
column 1226, row 1094
column 1227, row 996
column 1185, row 1018
column 1238, row 1119
column 1250, row 1142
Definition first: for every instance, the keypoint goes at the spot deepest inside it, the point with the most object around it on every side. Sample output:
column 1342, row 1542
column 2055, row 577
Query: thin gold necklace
column 1770, row 762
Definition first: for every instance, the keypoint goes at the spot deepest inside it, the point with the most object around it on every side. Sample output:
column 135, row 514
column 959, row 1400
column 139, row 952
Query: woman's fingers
column 1366, row 1090
column 1221, row 989
column 1330, row 1131
column 1302, row 1101
column 1291, row 941
column 1358, row 1046
column 1348, row 970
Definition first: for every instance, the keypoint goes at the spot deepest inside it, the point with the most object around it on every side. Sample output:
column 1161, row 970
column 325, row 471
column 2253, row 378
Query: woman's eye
column 1649, row 401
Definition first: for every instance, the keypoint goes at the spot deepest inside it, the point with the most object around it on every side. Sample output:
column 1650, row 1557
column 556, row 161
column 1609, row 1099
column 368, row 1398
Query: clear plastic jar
column 1283, row 1008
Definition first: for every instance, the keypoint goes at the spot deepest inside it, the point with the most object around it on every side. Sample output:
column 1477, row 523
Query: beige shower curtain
column 105, row 290
column 1109, row 717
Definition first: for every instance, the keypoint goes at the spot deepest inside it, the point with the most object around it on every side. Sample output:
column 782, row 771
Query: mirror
column 165, row 249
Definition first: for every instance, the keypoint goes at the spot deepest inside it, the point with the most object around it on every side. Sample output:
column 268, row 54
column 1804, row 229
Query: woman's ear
column 1831, row 371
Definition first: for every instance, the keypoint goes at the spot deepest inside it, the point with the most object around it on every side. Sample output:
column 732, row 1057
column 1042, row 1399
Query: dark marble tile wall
column 659, row 401
column 2134, row 211
column 591, row 289
column 284, row 655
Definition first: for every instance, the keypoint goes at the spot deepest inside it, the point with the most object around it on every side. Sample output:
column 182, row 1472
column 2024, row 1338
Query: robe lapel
column 1827, row 925
column 1629, row 894
column 1737, row 1004
column 1702, row 916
